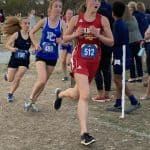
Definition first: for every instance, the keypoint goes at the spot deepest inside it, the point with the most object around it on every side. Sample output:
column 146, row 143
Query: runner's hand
column 37, row 47
column 59, row 40
column 14, row 49
column 78, row 32
column 94, row 31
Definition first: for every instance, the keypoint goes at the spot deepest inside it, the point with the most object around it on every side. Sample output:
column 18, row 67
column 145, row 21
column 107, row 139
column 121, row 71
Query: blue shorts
column 67, row 47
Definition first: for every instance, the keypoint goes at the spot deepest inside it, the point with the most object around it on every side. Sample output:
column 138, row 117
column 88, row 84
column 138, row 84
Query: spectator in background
column 103, row 76
column 121, row 37
column 138, row 10
column 148, row 15
column 147, row 45
column 135, row 40
column 140, row 17
column 66, row 48
column 141, row 8
column 32, row 19
column 42, row 16
column 19, row 15
column 106, row 10
column 2, row 17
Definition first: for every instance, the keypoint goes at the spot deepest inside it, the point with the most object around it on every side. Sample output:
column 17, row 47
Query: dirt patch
column 51, row 130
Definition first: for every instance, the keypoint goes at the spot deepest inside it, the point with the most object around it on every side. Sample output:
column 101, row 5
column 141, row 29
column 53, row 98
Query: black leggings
column 103, row 76
column 147, row 46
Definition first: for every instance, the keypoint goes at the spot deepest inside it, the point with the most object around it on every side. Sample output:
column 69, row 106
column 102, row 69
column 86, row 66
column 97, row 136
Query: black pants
column 147, row 46
column 136, row 69
column 103, row 76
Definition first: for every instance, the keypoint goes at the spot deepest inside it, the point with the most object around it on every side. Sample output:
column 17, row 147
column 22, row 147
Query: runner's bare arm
column 34, row 30
column 106, row 36
column 63, row 27
column 69, row 33
column 10, row 42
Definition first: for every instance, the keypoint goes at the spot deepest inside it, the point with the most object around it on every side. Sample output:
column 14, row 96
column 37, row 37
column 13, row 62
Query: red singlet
column 87, row 53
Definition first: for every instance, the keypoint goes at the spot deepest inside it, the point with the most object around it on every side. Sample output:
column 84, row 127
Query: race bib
column 21, row 54
column 89, row 50
column 117, row 62
column 48, row 47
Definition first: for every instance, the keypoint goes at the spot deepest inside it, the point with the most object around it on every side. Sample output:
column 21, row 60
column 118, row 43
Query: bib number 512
column 89, row 51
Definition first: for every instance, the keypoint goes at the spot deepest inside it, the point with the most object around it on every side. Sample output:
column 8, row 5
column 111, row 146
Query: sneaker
column 138, row 80
column 65, row 79
column 133, row 108
column 132, row 80
column 34, row 108
column 101, row 99
column 28, row 105
column 145, row 97
column 87, row 139
column 114, row 109
column 58, row 101
column 10, row 97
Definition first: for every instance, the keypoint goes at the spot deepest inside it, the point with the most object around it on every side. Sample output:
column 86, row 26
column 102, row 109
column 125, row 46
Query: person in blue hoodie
column 148, row 16
column 139, row 13
column 121, row 37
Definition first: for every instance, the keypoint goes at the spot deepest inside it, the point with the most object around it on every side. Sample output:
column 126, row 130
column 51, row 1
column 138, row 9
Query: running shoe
column 34, row 108
column 132, row 80
column 114, row 109
column 10, row 97
column 133, row 108
column 87, row 139
column 28, row 105
column 101, row 99
column 58, row 101
column 65, row 79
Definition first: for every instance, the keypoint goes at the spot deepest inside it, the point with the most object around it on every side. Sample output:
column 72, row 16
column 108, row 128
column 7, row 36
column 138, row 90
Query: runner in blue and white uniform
column 47, row 51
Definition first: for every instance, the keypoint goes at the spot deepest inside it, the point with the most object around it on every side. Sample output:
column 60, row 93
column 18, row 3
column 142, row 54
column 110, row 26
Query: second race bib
column 21, row 54
column 48, row 47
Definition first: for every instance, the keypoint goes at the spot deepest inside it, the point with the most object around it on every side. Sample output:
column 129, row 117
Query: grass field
column 52, row 130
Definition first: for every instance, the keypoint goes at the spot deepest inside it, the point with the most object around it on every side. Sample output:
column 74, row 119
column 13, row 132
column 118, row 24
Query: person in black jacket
column 103, row 76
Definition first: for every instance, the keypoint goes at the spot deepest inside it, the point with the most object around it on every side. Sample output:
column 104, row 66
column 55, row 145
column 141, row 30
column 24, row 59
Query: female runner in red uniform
column 89, row 29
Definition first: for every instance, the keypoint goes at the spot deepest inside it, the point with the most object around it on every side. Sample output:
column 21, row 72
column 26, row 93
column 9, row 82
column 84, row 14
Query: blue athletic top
column 121, row 37
column 48, row 41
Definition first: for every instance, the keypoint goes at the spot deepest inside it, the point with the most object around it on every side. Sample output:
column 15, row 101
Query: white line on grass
column 126, row 130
